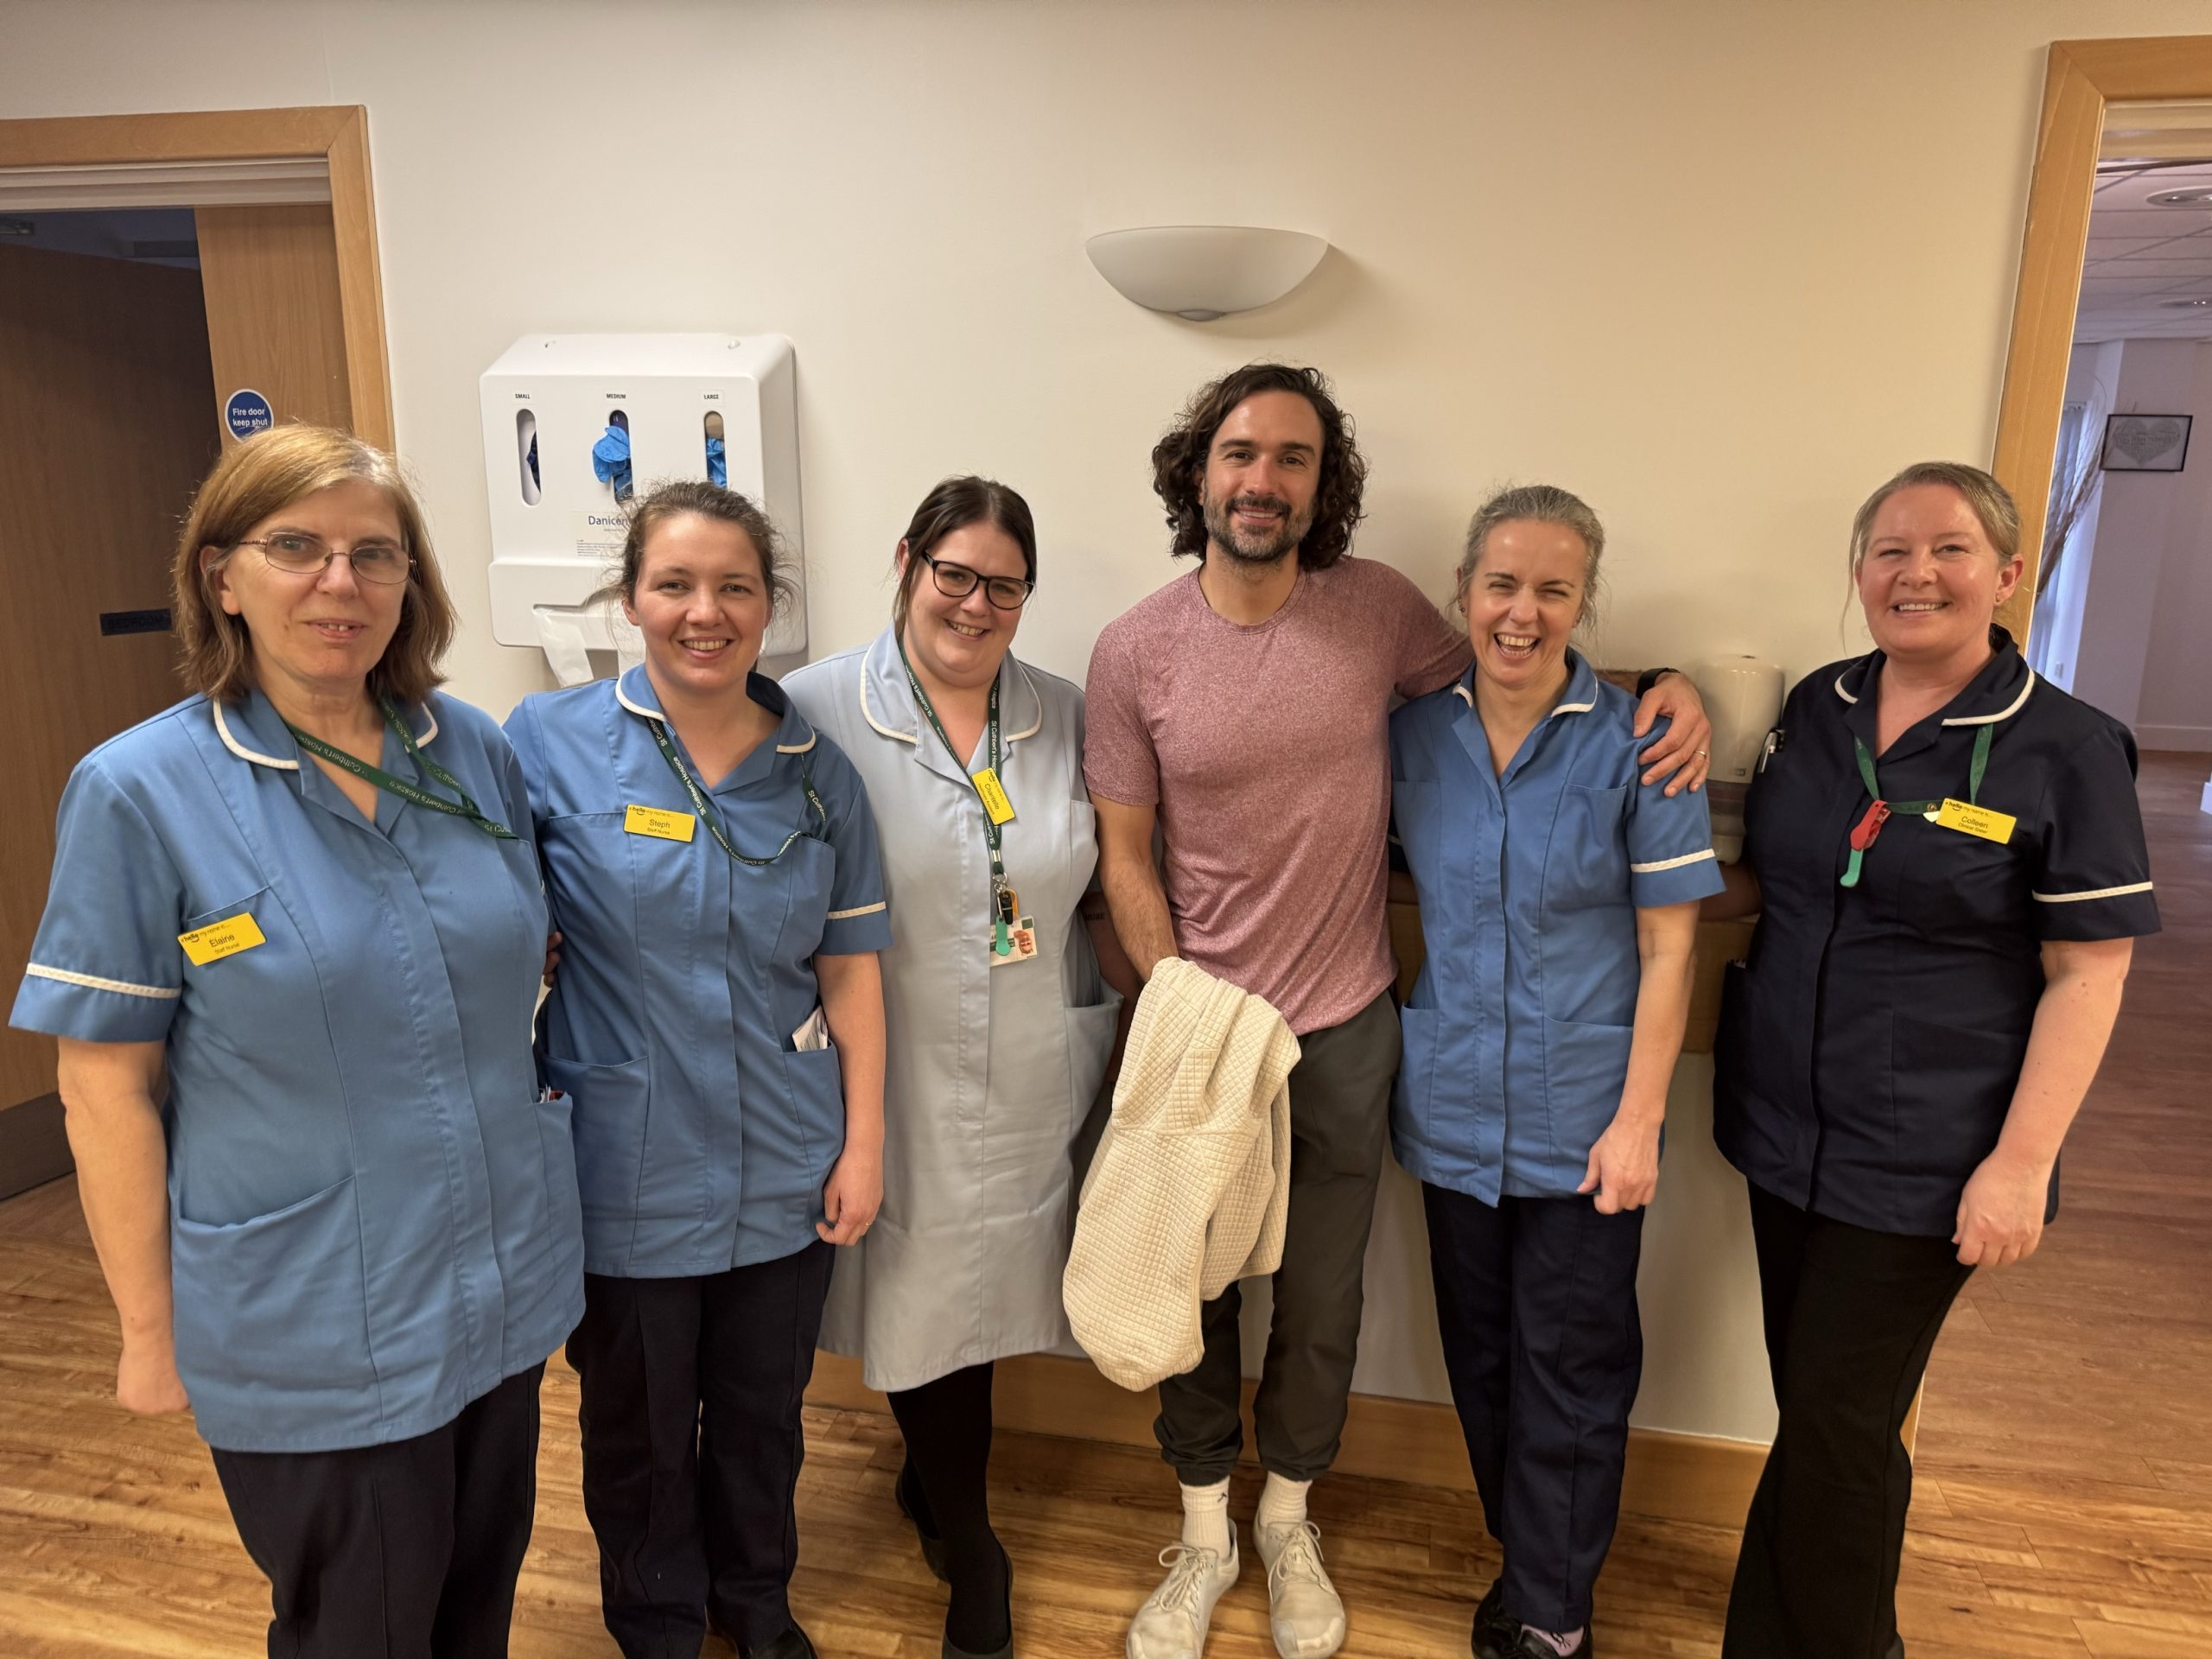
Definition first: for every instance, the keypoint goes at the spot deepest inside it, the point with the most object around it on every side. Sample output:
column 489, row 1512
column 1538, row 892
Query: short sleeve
column 1430, row 652
column 859, row 919
column 1119, row 763
column 105, row 967
column 1670, row 859
column 2093, row 872
column 528, row 742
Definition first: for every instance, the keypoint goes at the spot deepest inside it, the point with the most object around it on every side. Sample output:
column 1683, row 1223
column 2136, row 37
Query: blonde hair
column 262, row 476
column 1991, row 502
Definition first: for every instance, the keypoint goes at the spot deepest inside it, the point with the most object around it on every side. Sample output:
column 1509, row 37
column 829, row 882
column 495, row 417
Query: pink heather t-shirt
column 1266, row 750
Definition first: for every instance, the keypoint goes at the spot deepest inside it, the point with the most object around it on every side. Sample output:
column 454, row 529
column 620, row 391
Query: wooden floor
column 2065, row 1505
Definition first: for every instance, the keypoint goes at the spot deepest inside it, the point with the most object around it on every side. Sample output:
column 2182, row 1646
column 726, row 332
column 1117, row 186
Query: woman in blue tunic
column 1558, row 899
column 718, row 1023
column 291, row 950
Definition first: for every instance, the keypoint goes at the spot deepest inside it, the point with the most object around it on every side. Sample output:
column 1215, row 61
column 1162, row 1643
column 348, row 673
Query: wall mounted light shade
column 1204, row 271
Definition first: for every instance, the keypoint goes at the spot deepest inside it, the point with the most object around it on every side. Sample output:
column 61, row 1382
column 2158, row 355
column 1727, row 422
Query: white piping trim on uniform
column 158, row 993
column 2102, row 892
column 1670, row 863
column 222, row 731
column 847, row 915
column 797, row 748
column 1574, row 708
column 1461, row 691
column 621, row 697
column 915, row 737
column 1840, row 691
column 1038, row 697
column 2006, row 714
column 866, row 714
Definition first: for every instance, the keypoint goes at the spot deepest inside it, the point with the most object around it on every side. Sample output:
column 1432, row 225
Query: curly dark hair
column 1179, row 460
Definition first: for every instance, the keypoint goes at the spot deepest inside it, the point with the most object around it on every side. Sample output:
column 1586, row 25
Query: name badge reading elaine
column 659, row 823
column 994, row 796
column 220, row 939
column 1976, row 821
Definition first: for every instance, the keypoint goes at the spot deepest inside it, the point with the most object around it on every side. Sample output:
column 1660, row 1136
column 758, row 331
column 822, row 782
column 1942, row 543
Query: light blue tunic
column 992, row 1069
column 703, row 1138
column 372, row 1209
column 1516, row 1038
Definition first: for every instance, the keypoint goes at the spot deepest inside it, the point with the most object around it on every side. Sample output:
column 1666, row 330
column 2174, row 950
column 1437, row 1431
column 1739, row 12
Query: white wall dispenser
column 1742, row 698
column 684, row 406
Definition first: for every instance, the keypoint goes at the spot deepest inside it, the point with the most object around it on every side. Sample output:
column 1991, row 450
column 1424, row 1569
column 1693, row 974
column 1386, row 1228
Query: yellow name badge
column 659, row 823
column 995, row 800
column 220, row 939
column 1976, row 821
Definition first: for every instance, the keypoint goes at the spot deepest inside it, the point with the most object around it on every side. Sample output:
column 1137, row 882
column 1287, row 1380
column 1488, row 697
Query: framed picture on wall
column 2145, row 443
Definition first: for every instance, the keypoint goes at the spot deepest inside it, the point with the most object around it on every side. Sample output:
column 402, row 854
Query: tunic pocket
column 1585, row 1067
column 1585, row 862
column 274, row 1307
column 1420, row 1030
column 1091, row 1045
column 817, row 1135
column 609, row 1107
column 1950, row 1087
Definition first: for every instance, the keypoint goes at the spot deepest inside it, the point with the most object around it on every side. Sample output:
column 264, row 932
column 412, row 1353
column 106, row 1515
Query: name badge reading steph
column 220, row 939
column 994, row 796
column 1976, row 821
column 659, row 823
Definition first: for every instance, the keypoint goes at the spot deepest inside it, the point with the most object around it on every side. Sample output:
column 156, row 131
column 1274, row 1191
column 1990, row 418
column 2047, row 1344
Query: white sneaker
column 1171, row 1623
column 1304, row 1610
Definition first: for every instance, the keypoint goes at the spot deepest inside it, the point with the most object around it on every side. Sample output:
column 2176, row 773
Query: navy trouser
column 1536, row 1302
column 692, row 1445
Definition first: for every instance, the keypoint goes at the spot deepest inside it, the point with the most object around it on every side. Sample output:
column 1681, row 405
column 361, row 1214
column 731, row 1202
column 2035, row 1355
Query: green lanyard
column 1864, row 832
column 712, row 818
column 464, row 808
column 1002, row 894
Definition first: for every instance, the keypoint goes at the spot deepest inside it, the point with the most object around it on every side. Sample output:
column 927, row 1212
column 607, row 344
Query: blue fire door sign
column 247, row 412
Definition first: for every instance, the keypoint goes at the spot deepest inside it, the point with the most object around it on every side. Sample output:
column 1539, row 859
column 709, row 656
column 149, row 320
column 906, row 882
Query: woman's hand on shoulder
column 2001, row 1213
column 852, row 1195
column 146, row 1381
column 1623, row 1170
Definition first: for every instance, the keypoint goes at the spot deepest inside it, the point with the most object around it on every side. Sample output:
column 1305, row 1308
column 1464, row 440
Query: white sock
column 1564, row 1643
column 1205, row 1517
column 1282, row 1503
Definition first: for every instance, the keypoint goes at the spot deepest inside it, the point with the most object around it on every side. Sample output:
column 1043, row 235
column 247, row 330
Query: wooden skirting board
column 1688, row 1477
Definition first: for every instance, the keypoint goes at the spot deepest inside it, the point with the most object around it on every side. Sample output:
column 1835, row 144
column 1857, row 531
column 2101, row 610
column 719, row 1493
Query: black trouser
column 1339, row 1124
column 1852, row 1316
column 403, row 1551
column 692, row 1443
column 1535, row 1300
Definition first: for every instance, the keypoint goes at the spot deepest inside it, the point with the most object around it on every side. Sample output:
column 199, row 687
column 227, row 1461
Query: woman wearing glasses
column 291, row 949
column 1001, row 1026
column 718, row 1024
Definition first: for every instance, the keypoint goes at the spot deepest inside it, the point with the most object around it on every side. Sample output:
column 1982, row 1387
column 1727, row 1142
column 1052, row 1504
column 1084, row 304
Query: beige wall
column 1719, row 267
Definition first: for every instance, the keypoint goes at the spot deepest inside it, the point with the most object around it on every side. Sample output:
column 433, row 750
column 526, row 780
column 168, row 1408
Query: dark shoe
column 791, row 1644
column 1897, row 1647
column 1527, row 1645
column 915, row 1510
column 1495, row 1637
column 953, row 1650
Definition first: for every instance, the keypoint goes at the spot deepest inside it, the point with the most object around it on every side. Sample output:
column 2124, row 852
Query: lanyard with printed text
column 1864, row 832
column 463, row 808
column 712, row 818
column 1003, row 904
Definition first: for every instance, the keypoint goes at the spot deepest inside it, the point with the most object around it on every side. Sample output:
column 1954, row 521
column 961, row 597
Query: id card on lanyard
column 1014, row 936
column 1968, row 816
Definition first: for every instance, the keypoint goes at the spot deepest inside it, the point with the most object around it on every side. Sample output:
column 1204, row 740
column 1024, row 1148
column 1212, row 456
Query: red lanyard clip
column 1863, row 833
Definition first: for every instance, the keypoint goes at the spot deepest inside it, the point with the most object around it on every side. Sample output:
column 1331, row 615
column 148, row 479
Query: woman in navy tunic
column 1949, row 862
column 1558, row 903
column 718, row 1023
column 291, row 949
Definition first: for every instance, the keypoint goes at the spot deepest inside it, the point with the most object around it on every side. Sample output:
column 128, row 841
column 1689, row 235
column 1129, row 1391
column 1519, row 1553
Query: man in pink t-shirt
column 1242, row 709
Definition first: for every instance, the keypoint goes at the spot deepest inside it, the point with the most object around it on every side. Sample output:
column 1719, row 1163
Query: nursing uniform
column 374, row 1230
column 992, row 1069
column 1868, row 1051
column 708, row 1112
column 1517, row 1050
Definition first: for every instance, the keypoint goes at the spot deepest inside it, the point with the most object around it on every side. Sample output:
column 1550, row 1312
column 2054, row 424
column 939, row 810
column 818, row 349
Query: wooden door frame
column 2082, row 79
column 337, row 134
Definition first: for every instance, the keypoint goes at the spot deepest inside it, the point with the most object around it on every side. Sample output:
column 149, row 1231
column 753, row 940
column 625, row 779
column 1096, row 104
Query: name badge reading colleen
column 220, row 939
column 659, row 823
column 1976, row 821
column 994, row 796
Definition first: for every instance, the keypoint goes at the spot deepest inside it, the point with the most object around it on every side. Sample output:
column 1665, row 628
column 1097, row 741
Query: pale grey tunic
column 990, row 1071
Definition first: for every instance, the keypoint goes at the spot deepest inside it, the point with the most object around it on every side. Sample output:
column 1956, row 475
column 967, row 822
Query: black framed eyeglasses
column 957, row 581
column 303, row 555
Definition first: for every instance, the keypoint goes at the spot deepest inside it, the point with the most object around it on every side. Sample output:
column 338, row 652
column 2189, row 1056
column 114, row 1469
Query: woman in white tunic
column 999, row 1024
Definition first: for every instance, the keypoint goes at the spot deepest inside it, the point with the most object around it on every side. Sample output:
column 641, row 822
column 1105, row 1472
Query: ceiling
column 2147, row 263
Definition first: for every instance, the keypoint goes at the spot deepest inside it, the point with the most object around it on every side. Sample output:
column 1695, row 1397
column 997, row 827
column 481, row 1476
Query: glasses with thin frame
column 303, row 555
column 957, row 581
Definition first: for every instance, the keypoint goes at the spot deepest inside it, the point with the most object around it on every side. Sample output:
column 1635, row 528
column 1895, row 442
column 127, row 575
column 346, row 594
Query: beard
column 1249, row 547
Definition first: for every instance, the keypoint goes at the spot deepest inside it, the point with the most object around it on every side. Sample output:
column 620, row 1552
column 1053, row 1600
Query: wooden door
column 276, row 323
column 104, row 433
